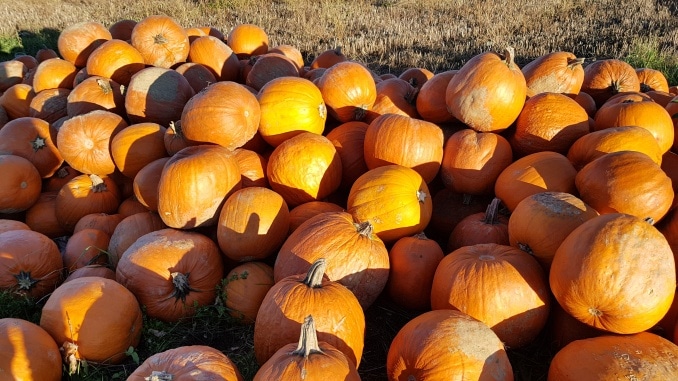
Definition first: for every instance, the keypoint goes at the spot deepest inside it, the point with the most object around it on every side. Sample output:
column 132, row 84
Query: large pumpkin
column 160, row 40
column 430, row 100
column 607, row 77
column 208, row 173
column 488, row 92
column 215, row 55
column 405, row 193
column 137, row 146
column 349, row 90
column 83, row 195
column 614, row 272
column 77, row 41
column 117, row 60
column 171, row 272
column 96, row 93
column 247, row 40
column 128, row 231
column 28, row 352
column 556, row 72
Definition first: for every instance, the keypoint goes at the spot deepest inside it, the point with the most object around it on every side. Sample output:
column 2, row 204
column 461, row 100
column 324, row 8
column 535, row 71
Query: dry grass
column 391, row 35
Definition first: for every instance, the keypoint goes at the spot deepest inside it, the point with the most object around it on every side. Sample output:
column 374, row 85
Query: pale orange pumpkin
column 157, row 95
column 349, row 90
column 556, row 72
column 160, row 40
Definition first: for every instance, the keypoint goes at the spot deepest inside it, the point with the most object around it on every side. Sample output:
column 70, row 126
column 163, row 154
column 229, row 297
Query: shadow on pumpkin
column 560, row 142
column 255, row 241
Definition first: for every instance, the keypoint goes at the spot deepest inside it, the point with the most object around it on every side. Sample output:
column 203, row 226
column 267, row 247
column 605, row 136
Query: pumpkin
column 562, row 329
column 349, row 91
column 41, row 216
column 488, row 227
column 607, row 77
column 253, row 224
column 646, row 114
column 449, row 208
column 652, row 80
column 356, row 257
column 488, row 92
column 549, row 122
column 52, row 74
column 247, row 40
column 472, row 161
column 9, row 225
column 186, row 363
column 59, row 178
column 612, row 184
column 244, row 288
column 77, row 41
column 394, row 96
column 83, row 195
column 93, row 319
column 624, row 138
column 556, row 72
column 413, row 262
column 96, row 93
column 446, row 344
column 587, row 102
column 416, row 76
column 252, row 168
column 194, row 33
column 406, row 193
column 157, row 95
column 145, row 184
column 171, row 272
column 21, row 184
column 197, row 75
column 231, row 111
column 211, row 169
column 86, row 247
column 289, row 106
column 91, row 270
column 538, row 172
column 215, row 55
column 28, row 352
column 174, row 138
column 304, row 168
column 45, row 53
column 33, row 139
column 31, row 264
column 642, row 356
column 29, row 61
column 661, row 97
column 339, row 318
column 542, row 221
column 136, row 146
column 16, row 100
column 348, row 139
column 308, row 359
column 122, row 29
column 49, row 105
column 430, row 100
column 104, row 222
column 290, row 52
column 300, row 213
column 268, row 67
column 128, row 230
column 614, row 272
column 12, row 72
column 398, row 139
column 117, row 60
column 161, row 41
column 328, row 58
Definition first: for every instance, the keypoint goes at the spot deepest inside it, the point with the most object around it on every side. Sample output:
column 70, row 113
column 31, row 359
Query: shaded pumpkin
column 8, row 225
column 128, row 231
column 216, row 56
column 290, row 52
column 394, row 96
column 607, row 77
column 16, row 100
column 83, row 195
column 349, row 139
column 122, row 29
column 416, row 76
column 268, row 67
column 197, row 75
column 302, row 212
column 105, row 222
column 430, row 100
column 49, row 105
column 12, row 72
column 252, row 168
column 244, row 288
column 488, row 227
column 328, row 58
column 21, row 184
column 186, row 363
column 91, row 270
column 136, row 146
column 96, row 93
column 652, row 80
column 54, row 73
column 28, row 352
column 41, row 216
column 145, row 184
column 157, row 95
column 117, row 60
column 86, row 247
column 33, row 139
column 77, row 41
column 556, row 72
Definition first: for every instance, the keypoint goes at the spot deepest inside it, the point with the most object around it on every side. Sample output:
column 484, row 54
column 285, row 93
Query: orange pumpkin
column 33, row 139
column 300, row 213
column 349, row 140
column 186, row 363
column 218, row 57
column 197, row 75
column 607, row 77
column 394, row 96
column 652, row 80
column 430, row 100
column 485, row 227
column 556, row 72
column 247, row 40
column 349, row 91
column 252, row 168
column 8, row 225
column 96, row 93
column 49, row 105
column 77, row 41
column 21, row 184
column 416, row 76
column 136, row 146
column 174, row 138
column 328, row 58
column 160, row 40
column 54, row 73
column 268, row 67
column 122, row 29
column 28, row 352
column 16, row 100
column 157, row 95
column 117, row 60
column 290, row 52
column 145, row 183
column 245, row 287
column 615, row 272
column 12, row 72
column 83, row 195
column 128, row 231
column 105, row 222
column 41, row 216
column 488, row 92
column 86, row 247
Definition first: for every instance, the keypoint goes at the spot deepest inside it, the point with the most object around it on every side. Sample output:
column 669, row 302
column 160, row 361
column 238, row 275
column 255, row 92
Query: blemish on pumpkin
column 595, row 312
column 24, row 185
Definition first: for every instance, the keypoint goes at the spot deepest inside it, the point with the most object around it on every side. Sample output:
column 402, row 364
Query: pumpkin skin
column 174, row 138
column 95, row 319
column 290, row 52
column 308, row 359
column 77, row 41
column 231, row 111
column 538, row 172
column 542, row 221
column 86, row 247
column 652, row 80
column 488, row 92
column 614, row 272
column 95, row 93
column 31, row 263
column 197, row 75
column 517, row 300
column 605, row 78
column 244, row 289
column 128, row 231
column 41, row 216
column 642, row 356
column 52, row 74
column 304, row 168
column 328, row 58
column 268, row 67
column 356, row 258
column 157, row 95
column 398, row 139
column 99, row 221
column 413, row 262
column 349, row 139
column 437, row 345
column 11, row 73
column 17, row 100
column 339, row 318
column 587, row 102
column 218, row 57
column 136, row 146
column 556, row 72
column 83, row 195
column 21, row 184
column 289, row 106
column 146, row 182
column 348, row 90
column 624, row 138
column 186, row 363
column 161, row 41
column 84, row 141
column 247, row 40
column 394, row 96
column 171, row 272
column 211, row 169
column 33, row 139
column 117, row 60
column 252, row 168
column 300, row 213
column 430, row 100
column 485, row 227
column 60, row 178
column 472, row 161
column 122, row 29
column 253, row 224
column 49, row 105
column 549, row 122
column 610, row 184
column 9, row 225
column 416, row 76
column 28, row 352
column 395, row 185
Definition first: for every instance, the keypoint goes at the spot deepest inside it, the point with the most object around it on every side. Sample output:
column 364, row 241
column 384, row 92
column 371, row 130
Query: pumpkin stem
column 181, row 286
column 38, row 143
column 322, row 111
column 176, row 128
column 359, row 113
column 62, row 172
column 649, row 220
column 466, row 199
column 314, row 276
column 526, row 248
column 308, row 339
column 421, row 196
column 25, row 281
column 365, row 229
column 616, row 87
column 492, row 212
column 574, row 62
column 159, row 375
column 98, row 184
column 421, row 236
column 159, row 39
column 509, row 56
column 411, row 96
column 644, row 88
column 104, row 85
column 68, row 351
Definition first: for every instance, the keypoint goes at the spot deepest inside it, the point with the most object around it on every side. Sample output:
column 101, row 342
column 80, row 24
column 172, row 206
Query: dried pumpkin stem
column 159, row 375
column 574, row 62
column 492, row 212
column 105, row 86
column 308, row 339
column 98, row 184
column 365, row 229
column 314, row 276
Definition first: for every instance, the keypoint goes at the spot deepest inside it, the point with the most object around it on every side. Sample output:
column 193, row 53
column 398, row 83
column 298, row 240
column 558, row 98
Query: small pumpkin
column 21, row 184
column 349, row 140
column 244, row 289
column 145, row 183
column 95, row 93
column 488, row 227
column 247, row 40
column 216, row 56
column 430, row 100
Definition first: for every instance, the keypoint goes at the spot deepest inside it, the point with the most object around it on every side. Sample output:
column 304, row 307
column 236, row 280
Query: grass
column 391, row 35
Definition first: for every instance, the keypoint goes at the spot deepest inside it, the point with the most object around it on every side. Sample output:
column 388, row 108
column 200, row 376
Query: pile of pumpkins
column 183, row 166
